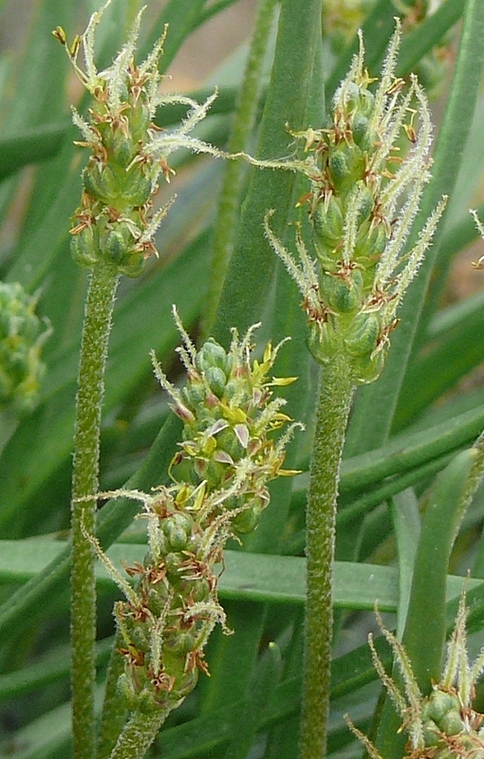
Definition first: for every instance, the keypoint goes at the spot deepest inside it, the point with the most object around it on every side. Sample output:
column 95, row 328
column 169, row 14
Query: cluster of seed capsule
column 229, row 452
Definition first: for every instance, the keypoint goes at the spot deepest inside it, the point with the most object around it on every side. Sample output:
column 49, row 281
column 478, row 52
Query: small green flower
column 362, row 199
column 444, row 724
column 114, row 222
column 22, row 335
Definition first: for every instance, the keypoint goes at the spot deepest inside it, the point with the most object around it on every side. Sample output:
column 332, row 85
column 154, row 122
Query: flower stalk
column 96, row 329
column 337, row 386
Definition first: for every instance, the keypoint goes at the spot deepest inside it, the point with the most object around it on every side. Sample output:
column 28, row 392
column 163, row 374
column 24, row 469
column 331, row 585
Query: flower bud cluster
column 22, row 335
column 229, row 452
column 363, row 197
column 444, row 724
column 114, row 223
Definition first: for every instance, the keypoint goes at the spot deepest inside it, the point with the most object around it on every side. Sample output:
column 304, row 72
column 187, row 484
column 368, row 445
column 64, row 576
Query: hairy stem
column 97, row 325
column 334, row 403
column 114, row 710
column 138, row 735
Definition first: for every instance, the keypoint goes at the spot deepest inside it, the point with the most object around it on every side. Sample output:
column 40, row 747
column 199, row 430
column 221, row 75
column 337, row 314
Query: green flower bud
column 157, row 598
column 134, row 190
column 211, row 354
column 84, row 247
column 139, row 122
column 362, row 336
column 99, row 182
column 173, row 562
column 322, row 341
column 199, row 589
column 216, row 380
column 370, row 244
column 366, row 202
column 343, row 294
column 431, row 734
column 177, row 529
column 119, row 146
column 328, row 221
column 340, row 169
column 138, row 634
column 439, row 704
column 346, row 167
column 247, row 520
column 182, row 642
column 452, row 723
column 229, row 441
column 360, row 130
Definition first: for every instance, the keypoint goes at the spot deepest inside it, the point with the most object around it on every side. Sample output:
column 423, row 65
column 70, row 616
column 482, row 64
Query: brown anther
column 195, row 660
column 162, row 681
column 135, row 569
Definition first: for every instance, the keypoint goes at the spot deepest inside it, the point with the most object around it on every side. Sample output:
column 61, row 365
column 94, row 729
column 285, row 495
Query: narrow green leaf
column 248, row 720
column 252, row 266
column 258, row 578
column 30, row 147
column 443, row 362
column 406, row 521
column 420, row 40
column 425, row 628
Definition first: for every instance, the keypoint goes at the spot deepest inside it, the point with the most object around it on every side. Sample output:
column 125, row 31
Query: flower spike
column 364, row 195
column 114, row 222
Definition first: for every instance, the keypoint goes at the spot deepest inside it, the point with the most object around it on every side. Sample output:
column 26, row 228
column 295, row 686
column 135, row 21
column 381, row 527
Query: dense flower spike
column 22, row 335
column 229, row 453
column 113, row 223
column 362, row 200
column 442, row 725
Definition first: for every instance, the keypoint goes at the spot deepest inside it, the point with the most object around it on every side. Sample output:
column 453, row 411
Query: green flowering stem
column 97, row 325
column 114, row 712
column 138, row 735
column 336, row 391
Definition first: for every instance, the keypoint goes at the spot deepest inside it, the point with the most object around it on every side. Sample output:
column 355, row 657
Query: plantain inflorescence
column 231, row 448
column 363, row 197
column 22, row 335
column 114, row 223
column 444, row 724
